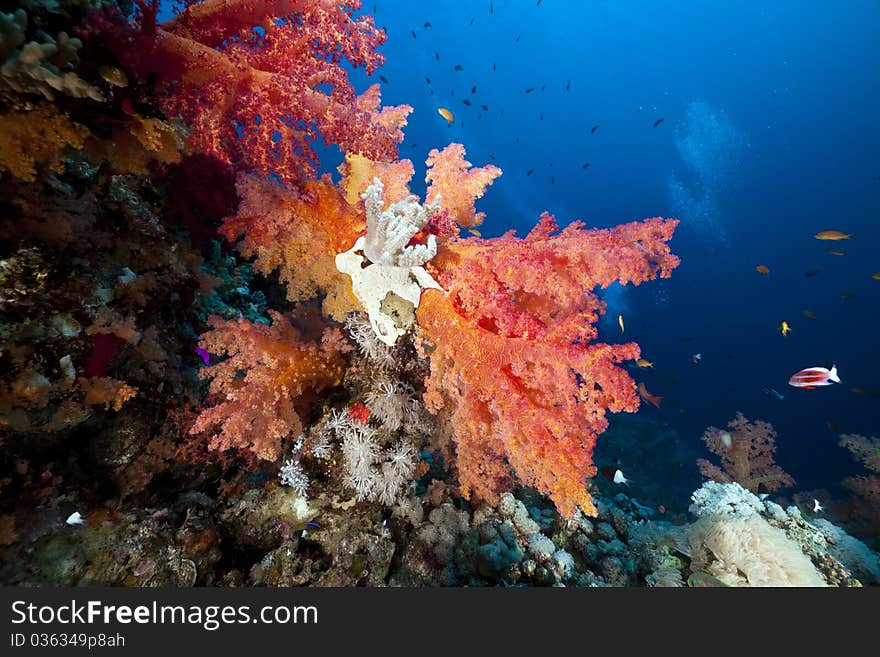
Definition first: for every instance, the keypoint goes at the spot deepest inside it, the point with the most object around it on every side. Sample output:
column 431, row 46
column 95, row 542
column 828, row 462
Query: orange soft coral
column 513, row 363
column 299, row 234
column 746, row 450
column 262, row 386
column 458, row 184
column 28, row 139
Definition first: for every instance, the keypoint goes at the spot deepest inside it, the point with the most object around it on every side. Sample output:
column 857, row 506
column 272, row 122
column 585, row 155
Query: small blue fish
column 771, row 392
column 309, row 523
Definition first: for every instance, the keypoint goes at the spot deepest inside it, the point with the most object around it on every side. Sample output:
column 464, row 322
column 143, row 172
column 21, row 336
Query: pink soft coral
column 746, row 450
column 269, row 375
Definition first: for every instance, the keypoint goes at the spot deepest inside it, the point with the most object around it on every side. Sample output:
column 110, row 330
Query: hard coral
column 746, row 450
column 513, row 361
column 281, row 370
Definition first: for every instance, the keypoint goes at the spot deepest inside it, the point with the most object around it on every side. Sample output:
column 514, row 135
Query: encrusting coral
column 746, row 450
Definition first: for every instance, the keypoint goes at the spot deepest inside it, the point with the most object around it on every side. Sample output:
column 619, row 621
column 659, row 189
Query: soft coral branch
column 261, row 100
column 513, row 360
column 746, row 450
column 269, row 376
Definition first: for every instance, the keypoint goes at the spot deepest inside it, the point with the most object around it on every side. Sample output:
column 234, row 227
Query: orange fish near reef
column 813, row 377
column 876, row 276
column 762, row 269
column 446, row 114
column 833, row 235
column 648, row 397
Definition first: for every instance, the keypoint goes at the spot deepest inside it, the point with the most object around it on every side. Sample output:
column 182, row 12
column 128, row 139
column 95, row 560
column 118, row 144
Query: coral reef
column 371, row 399
column 746, row 450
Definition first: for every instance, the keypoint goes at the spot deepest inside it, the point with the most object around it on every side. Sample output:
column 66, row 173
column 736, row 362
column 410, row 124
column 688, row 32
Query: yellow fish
column 620, row 321
column 641, row 362
column 832, row 235
column 809, row 313
column 784, row 328
column 446, row 114
column 475, row 232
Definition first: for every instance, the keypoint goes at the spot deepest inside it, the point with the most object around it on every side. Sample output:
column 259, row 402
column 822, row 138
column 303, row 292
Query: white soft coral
column 386, row 271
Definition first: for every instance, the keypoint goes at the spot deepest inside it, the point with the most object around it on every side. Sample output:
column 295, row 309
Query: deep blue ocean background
column 768, row 135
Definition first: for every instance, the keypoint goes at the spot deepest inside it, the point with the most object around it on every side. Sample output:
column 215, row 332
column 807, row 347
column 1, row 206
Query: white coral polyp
column 383, row 265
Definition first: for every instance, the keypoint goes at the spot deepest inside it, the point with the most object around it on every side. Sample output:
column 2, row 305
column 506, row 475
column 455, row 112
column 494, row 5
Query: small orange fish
column 446, row 114
column 475, row 232
column 762, row 269
column 836, row 252
column 648, row 397
column 641, row 362
column 832, row 235
column 876, row 276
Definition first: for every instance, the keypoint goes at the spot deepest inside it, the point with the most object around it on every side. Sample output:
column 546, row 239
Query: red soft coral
column 746, row 450
column 260, row 99
column 513, row 363
column 270, row 374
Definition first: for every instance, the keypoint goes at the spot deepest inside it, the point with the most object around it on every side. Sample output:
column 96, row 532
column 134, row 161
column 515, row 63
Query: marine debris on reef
column 226, row 369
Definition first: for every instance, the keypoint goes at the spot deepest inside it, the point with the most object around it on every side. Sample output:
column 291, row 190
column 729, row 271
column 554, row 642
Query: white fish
column 75, row 519
column 726, row 440
column 619, row 478
column 816, row 506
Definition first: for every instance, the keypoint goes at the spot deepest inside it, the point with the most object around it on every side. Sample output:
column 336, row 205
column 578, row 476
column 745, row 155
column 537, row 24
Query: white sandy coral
column 386, row 271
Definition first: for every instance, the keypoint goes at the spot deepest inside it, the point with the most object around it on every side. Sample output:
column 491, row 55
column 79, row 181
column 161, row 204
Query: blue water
column 768, row 136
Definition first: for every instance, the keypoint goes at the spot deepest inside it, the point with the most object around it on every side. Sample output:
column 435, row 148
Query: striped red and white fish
column 813, row 377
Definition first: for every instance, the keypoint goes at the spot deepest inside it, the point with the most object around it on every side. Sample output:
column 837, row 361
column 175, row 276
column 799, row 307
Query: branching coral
column 264, row 383
column 260, row 99
column 513, row 360
column 746, row 450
